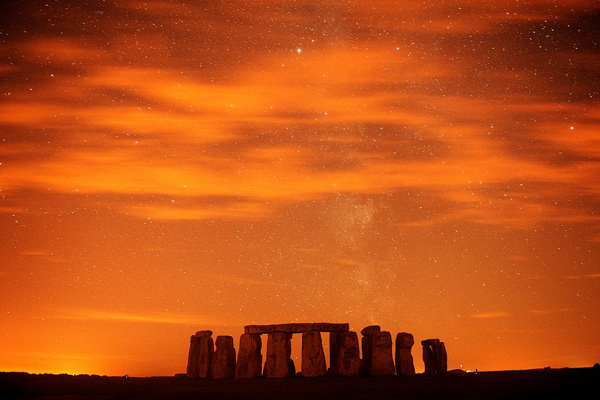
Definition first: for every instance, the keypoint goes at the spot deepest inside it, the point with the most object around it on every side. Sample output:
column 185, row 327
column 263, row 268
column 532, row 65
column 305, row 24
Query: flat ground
column 569, row 383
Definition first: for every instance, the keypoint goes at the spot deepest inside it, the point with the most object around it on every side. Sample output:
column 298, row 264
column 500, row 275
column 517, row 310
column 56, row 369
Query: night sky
column 428, row 166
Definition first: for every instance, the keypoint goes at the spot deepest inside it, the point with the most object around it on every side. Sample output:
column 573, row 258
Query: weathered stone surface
column 203, row 333
column 403, row 357
column 434, row 357
column 382, row 362
column 405, row 340
column 207, row 350
column 223, row 364
column 193, row 356
column 296, row 328
column 313, row 358
column 370, row 329
column 249, row 359
column 279, row 350
column 345, row 359
column 329, row 327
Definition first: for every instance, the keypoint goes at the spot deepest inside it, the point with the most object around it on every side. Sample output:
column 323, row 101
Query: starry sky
column 428, row 166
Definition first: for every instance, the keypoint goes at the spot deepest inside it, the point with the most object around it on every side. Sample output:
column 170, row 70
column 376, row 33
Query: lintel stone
column 297, row 328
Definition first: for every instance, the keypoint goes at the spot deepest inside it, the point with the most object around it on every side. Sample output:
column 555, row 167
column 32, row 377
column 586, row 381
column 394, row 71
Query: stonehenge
column 208, row 359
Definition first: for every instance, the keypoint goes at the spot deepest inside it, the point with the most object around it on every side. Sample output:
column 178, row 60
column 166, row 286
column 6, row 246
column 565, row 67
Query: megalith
column 194, row 353
column 223, row 364
column 249, row 358
column 207, row 349
column 382, row 362
column 279, row 350
column 366, row 344
column 377, row 351
column 313, row 357
column 403, row 357
column 434, row 356
column 345, row 356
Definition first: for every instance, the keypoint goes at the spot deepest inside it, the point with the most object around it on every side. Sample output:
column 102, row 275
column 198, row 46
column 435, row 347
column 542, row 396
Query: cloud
column 551, row 311
column 491, row 315
column 115, row 316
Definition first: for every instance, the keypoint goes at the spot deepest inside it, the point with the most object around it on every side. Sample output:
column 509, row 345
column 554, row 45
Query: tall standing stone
column 346, row 361
column 382, row 362
column 333, row 352
column 194, row 353
column 223, row 364
column 279, row 351
column 207, row 349
column 249, row 359
column 434, row 356
column 403, row 357
column 313, row 358
column 367, row 344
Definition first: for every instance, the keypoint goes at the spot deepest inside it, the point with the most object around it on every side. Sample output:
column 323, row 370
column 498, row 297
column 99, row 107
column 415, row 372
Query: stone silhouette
column 434, row 357
column 296, row 328
column 279, row 351
column 382, row 362
column 366, row 347
column 377, row 351
column 194, row 353
column 223, row 363
column 207, row 349
column 249, row 359
column 403, row 357
column 313, row 357
column 344, row 354
column 204, row 361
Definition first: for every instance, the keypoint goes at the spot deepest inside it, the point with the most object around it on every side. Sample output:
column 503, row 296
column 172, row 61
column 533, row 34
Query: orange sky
column 168, row 167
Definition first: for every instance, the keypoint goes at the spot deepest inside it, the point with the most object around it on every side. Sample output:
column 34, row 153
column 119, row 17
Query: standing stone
column 223, row 364
column 333, row 352
column 279, row 351
column 249, row 359
column 382, row 362
column 434, row 356
column 194, row 353
column 207, row 349
column 313, row 358
column 403, row 357
column 441, row 357
column 346, row 353
column 366, row 344
column 377, row 352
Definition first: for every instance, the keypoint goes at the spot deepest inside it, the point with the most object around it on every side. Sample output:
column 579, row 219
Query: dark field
column 531, row 384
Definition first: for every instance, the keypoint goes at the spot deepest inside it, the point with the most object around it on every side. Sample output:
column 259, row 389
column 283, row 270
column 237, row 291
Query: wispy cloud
column 176, row 318
column 491, row 315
